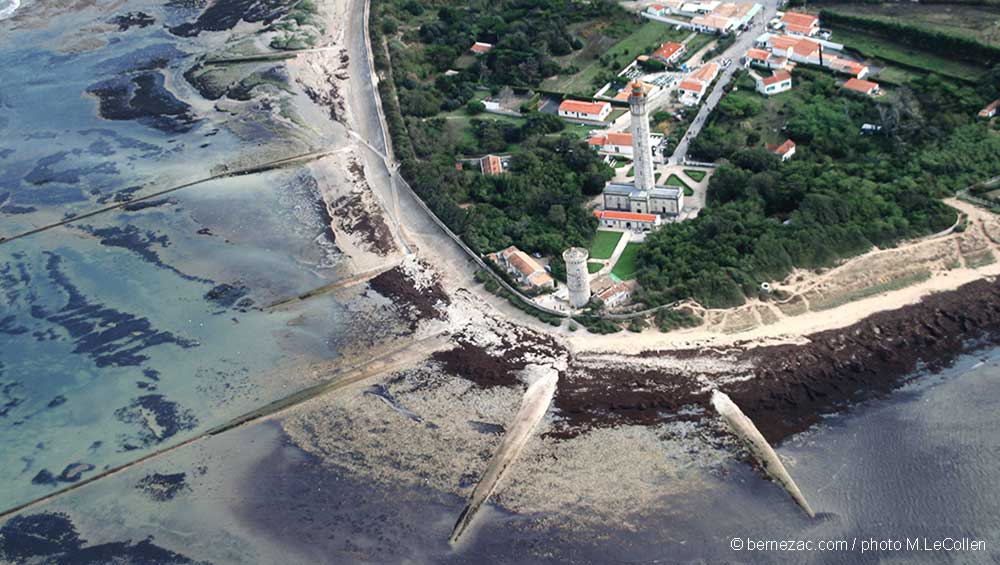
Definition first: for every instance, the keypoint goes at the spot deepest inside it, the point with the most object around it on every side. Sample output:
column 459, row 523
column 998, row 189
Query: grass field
column 674, row 180
column 604, row 244
column 696, row 176
column 880, row 48
column 625, row 268
column 977, row 22
column 593, row 266
column 645, row 38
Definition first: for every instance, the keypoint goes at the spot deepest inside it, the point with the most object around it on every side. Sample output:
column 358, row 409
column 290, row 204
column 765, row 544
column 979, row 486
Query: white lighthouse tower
column 642, row 151
column 577, row 277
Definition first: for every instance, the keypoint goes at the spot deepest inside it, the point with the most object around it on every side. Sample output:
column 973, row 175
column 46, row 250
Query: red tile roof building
column 522, row 267
column 627, row 220
column 479, row 47
column 863, row 86
column 785, row 150
column 590, row 111
column 780, row 81
column 990, row 110
column 800, row 24
column 669, row 52
column 613, row 142
column 491, row 165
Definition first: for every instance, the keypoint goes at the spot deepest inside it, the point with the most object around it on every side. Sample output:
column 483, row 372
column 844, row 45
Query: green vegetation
column 604, row 244
column 594, row 266
column 695, row 175
column 626, row 267
column 874, row 290
column 878, row 48
column 957, row 47
column 672, row 319
column 842, row 192
column 675, row 180
column 978, row 22
column 600, row 67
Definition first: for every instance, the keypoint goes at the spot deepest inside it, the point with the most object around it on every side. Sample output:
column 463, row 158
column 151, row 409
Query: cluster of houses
column 694, row 86
column 709, row 17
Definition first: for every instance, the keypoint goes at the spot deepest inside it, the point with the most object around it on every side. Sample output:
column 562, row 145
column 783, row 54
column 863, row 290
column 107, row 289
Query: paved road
column 735, row 52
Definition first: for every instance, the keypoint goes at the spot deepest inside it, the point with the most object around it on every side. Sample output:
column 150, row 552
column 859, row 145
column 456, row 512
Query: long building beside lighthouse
column 643, row 195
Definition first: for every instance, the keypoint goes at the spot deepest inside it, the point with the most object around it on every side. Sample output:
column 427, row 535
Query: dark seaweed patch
column 144, row 204
column 51, row 537
column 132, row 19
column 139, row 242
column 8, row 396
column 44, row 173
column 108, row 336
column 58, row 400
column 228, row 295
column 9, row 326
column 44, row 477
column 169, row 418
column 163, row 487
column 143, row 98
column 149, row 58
column 225, row 14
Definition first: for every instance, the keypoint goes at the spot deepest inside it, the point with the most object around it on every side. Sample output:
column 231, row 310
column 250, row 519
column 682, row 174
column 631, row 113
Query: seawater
column 129, row 331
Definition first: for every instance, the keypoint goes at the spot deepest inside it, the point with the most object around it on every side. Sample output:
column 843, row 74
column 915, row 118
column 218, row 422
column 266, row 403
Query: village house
column 991, row 110
column 631, row 221
column 491, row 165
column 865, row 87
column 698, row 8
column 780, row 81
column 480, row 48
column 764, row 59
column 846, row 66
column 612, row 143
column 618, row 294
column 525, row 270
column 725, row 18
column 695, row 85
column 785, row 150
column 797, row 23
column 669, row 52
column 665, row 8
column 587, row 111
column 798, row 49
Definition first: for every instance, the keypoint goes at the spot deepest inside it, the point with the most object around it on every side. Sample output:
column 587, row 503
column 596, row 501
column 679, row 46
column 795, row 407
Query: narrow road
column 743, row 42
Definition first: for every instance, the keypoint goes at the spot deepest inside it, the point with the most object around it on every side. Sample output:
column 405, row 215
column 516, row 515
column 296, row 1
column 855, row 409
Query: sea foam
column 8, row 7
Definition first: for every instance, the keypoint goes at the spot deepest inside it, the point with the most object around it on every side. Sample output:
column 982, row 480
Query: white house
column 618, row 294
column 669, row 52
column 525, row 270
column 846, row 66
column 480, row 48
column 990, row 110
column 589, row 111
column 797, row 23
column 632, row 221
column 613, row 143
column 780, row 81
column 695, row 85
column 785, row 150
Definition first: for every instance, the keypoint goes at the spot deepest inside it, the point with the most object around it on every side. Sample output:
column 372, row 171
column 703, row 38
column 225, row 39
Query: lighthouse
column 577, row 277
column 642, row 151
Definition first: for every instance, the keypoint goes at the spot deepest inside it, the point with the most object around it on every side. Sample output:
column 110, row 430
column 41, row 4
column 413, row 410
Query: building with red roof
column 784, row 150
column 491, row 165
column 695, row 85
column 798, row 23
column 588, row 111
column 990, row 110
column 525, row 270
column 479, row 47
column 865, row 87
column 631, row 221
column 613, row 142
column 778, row 82
column 669, row 52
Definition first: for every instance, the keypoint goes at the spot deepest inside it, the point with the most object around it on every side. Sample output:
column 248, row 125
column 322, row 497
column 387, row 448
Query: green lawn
column 696, row 43
column 696, row 176
column 593, row 266
column 604, row 244
column 879, row 48
column 643, row 40
column 625, row 268
column 675, row 180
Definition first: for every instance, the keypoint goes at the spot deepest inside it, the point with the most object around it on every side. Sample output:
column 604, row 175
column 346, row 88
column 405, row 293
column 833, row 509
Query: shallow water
column 132, row 330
